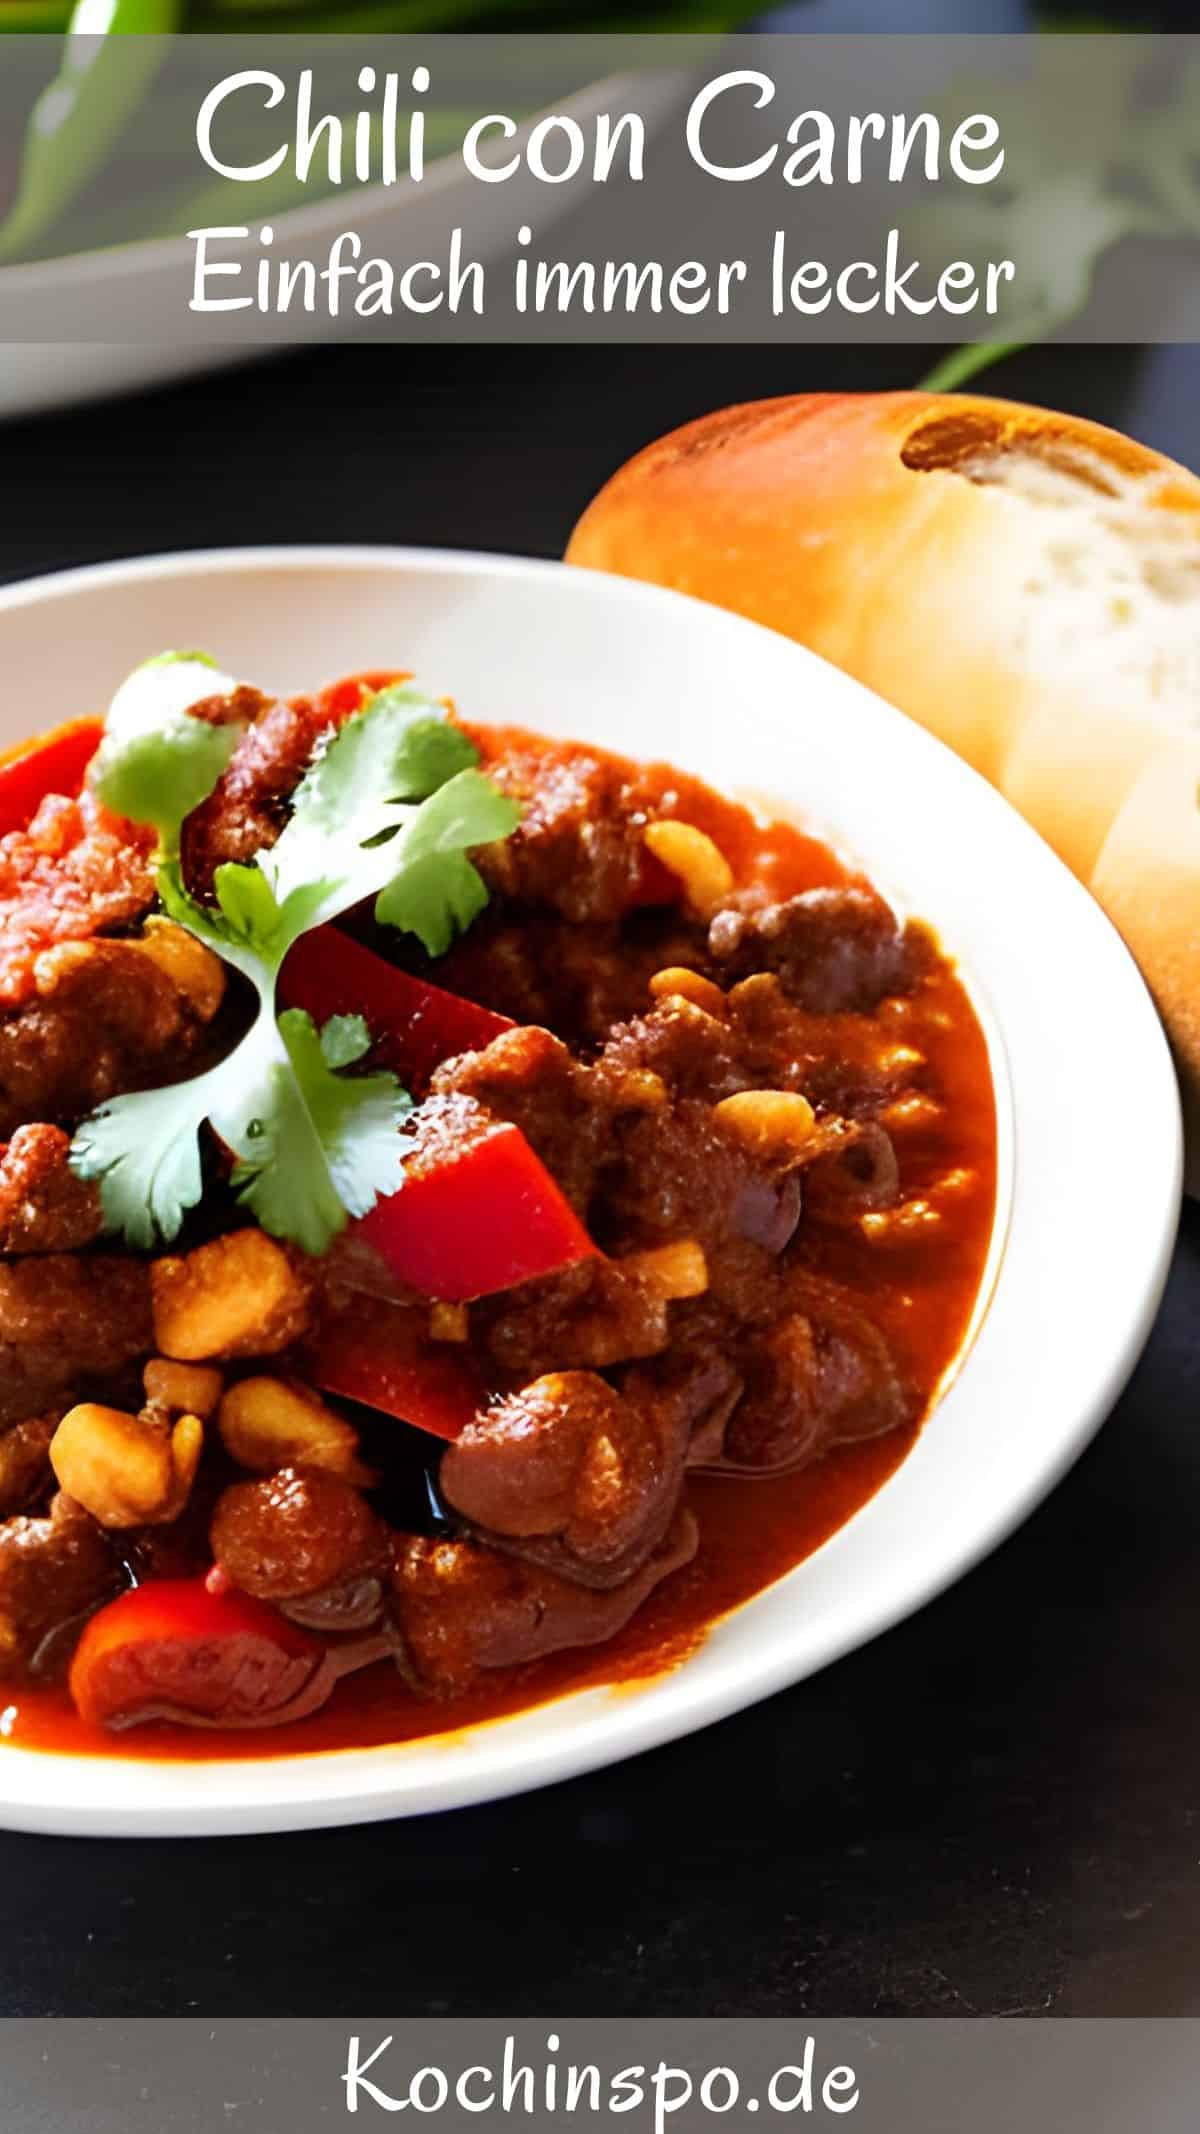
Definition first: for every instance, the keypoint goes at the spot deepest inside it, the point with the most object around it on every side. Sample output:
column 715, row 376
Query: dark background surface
column 995, row 1808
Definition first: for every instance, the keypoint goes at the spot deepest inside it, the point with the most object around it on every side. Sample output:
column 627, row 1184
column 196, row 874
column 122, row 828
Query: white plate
column 1087, row 1216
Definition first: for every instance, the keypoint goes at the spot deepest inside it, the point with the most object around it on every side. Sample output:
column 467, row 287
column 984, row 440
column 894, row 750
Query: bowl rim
column 138, row 257
column 587, row 1728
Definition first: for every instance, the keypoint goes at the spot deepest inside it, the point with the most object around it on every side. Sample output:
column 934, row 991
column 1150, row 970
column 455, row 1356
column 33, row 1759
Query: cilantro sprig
column 390, row 809
column 155, row 764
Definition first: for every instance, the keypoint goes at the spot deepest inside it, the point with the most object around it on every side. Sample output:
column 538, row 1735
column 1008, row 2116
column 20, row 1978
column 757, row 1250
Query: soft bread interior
column 1108, row 603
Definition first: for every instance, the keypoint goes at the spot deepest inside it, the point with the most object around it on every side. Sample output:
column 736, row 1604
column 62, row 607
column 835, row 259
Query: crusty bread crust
column 1020, row 582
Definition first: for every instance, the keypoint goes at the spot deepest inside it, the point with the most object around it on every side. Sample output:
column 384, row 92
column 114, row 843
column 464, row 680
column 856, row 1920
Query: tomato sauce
column 72, row 871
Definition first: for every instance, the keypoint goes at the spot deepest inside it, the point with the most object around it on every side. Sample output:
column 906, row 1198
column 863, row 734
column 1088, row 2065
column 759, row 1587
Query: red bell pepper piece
column 174, row 1649
column 53, row 764
column 483, row 1217
column 342, row 699
column 381, row 1354
column 413, row 1026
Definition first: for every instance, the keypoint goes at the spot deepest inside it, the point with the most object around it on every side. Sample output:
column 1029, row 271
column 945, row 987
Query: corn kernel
column 897, row 1225
column 910, row 1112
column 268, row 1423
column 238, row 1296
column 678, row 982
column 118, row 1467
column 769, row 1122
column 670, row 1271
column 691, row 855
column 184, row 1388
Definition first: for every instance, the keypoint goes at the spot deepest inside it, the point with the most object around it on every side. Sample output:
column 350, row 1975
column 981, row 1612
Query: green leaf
column 155, row 763
column 280, row 1174
column 436, row 898
column 398, row 749
column 344, row 1039
column 247, row 903
column 1083, row 173
column 357, row 1117
column 437, row 891
column 393, row 805
column 180, row 905
column 429, row 748
column 179, row 659
column 143, row 1153
column 314, row 1147
column 81, row 116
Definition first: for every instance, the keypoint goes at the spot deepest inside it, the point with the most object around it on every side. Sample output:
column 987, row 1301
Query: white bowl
column 1087, row 1211
column 55, row 313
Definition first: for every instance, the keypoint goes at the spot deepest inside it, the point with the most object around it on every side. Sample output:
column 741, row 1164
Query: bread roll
column 1023, row 583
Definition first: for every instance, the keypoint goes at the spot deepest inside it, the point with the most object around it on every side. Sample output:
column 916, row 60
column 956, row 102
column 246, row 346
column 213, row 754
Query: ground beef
column 52, row 1571
column 248, row 807
column 76, row 871
column 581, row 1478
column 836, row 951
column 579, row 846
column 68, row 1322
column 463, row 1609
column 704, row 1186
column 635, row 1143
column 569, row 1469
column 575, row 980
column 821, row 1375
column 848, row 1064
column 25, row 1462
column 589, row 1317
column 105, row 1018
column 43, row 1206
column 694, row 1053
column 298, row 1532
column 568, row 1112
column 859, row 1178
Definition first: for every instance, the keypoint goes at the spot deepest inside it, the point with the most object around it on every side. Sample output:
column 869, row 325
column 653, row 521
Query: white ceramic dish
column 1081, row 1244
column 56, row 315
column 62, row 307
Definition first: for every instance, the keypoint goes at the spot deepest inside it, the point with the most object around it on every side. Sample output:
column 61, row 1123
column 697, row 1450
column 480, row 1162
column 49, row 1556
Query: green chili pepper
column 26, row 15
column 962, row 364
column 77, row 120
column 263, row 197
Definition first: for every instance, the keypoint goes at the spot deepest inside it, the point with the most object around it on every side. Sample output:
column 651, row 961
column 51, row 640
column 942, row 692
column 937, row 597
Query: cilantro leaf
column 155, row 763
column 143, row 1153
column 438, row 891
column 389, row 809
column 248, row 906
column 344, row 1039
column 314, row 1146
column 436, row 899
column 358, row 794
